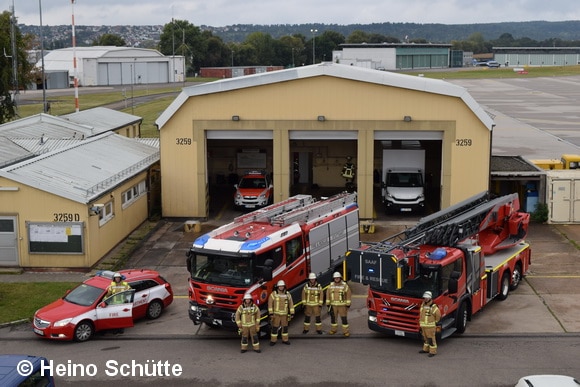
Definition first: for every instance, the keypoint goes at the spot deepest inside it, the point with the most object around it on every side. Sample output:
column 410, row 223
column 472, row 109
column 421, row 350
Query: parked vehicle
column 13, row 375
column 492, row 63
column 548, row 381
column 253, row 191
column 284, row 241
column 465, row 256
column 403, row 188
column 86, row 309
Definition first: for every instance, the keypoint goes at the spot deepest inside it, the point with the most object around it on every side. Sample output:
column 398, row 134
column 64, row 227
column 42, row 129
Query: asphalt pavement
column 546, row 302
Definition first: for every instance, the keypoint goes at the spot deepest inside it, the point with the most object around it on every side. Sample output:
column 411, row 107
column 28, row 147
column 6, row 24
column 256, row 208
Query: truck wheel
column 516, row 277
column 504, row 288
column 461, row 318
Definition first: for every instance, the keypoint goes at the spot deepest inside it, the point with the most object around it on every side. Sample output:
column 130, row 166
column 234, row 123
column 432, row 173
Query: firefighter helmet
column 337, row 275
column 312, row 276
column 428, row 295
column 117, row 275
column 281, row 283
column 247, row 296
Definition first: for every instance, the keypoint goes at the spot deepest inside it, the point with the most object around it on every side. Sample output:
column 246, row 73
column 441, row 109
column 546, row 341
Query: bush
column 541, row 213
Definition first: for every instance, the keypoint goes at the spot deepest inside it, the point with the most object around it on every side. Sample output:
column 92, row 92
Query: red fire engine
column 465, row 255
column 284, row 241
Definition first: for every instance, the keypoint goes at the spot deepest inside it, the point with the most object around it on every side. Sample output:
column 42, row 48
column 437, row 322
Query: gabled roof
column 45, row 126
column 102, row 119
column 86, row 170
column 355, row 73
column 11, row 152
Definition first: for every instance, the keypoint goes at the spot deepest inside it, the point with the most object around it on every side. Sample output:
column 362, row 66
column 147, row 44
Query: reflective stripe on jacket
column 248, row 316
column 429, row 316
column 280, row 303
column 338, row 294
column 312, row 294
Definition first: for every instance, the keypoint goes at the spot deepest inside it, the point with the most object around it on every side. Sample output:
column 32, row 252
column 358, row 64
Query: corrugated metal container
column 563, row 196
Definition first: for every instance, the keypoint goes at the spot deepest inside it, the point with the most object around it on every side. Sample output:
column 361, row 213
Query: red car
column 253, row 191
column 85, row 310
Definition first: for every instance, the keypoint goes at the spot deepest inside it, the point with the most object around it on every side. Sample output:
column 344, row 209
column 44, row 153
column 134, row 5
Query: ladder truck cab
column 465, row 256
column 284, row 241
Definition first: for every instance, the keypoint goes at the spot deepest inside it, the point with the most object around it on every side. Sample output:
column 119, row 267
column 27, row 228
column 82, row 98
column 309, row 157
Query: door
column 8, row 241
column 116, row 311
column 561, row 201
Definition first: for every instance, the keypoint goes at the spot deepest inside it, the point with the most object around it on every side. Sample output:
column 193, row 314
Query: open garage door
column 430, row 142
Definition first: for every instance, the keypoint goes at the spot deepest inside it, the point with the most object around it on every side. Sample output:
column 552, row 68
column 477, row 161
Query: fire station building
column 302, row 125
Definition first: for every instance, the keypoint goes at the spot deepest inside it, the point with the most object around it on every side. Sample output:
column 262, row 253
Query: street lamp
column 313, row 45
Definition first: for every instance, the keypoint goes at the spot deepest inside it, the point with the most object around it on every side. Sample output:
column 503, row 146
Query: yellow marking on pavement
column 552, row 276
column 222, row 211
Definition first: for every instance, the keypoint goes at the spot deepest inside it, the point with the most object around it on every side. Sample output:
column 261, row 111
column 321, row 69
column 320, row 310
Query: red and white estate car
column 85, row 309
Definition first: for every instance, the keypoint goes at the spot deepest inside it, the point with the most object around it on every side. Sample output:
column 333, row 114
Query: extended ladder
column 316, row 209
column 267, row 213
column 449, row 226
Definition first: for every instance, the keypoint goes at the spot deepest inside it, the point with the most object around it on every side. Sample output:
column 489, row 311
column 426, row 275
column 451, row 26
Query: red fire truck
column 283, row 241
column 465, row 255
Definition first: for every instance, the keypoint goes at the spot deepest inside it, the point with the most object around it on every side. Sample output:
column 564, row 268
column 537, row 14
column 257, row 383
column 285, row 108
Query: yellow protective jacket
column 280, row 303
column 338, row 294
column 312, row 294
column 429, row 316
column 246, row 316
column 115, row 287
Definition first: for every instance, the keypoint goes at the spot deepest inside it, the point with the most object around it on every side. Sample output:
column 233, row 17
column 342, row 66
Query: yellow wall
column 295, row 105
column 29, row 204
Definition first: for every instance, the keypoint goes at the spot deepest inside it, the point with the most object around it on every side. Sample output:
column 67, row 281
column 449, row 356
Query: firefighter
column 117, row 285
column 248, row 321
column 338, row 299
column 428, row 319
column 281, row 311
column 312, row 297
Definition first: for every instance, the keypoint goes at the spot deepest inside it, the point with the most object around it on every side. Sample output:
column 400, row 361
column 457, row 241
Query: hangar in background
column 112, row 66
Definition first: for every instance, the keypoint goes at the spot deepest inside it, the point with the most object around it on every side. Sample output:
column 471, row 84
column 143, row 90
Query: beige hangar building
column 313, row 118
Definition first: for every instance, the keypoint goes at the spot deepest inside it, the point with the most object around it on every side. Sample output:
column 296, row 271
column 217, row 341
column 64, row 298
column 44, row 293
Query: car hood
column 405, row 192
column 60, row 309
column 252, row 191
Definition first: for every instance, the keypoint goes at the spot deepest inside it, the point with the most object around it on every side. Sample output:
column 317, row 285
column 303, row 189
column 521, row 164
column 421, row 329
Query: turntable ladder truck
column 466, row 255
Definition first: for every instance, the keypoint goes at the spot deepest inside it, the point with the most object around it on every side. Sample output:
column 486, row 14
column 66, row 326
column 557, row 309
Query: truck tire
column 461, row 318
column 504, row 286
column 516, row 277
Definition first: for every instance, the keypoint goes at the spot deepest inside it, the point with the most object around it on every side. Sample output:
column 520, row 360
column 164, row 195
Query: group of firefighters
column 281, row 311
column 338, row 301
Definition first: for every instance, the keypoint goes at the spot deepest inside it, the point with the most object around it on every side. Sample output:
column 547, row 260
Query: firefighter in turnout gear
column 248, row 321
column 312, row 296
column 338, row 299
column 428, row 319
column 281, row 311
column 117, row 286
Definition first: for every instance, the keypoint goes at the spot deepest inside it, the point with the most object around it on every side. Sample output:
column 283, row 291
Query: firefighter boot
column 332, row 329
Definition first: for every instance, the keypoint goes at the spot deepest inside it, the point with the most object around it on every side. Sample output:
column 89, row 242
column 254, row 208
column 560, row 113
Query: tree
column 109, row 40
column 23, row 68
column 180, row 37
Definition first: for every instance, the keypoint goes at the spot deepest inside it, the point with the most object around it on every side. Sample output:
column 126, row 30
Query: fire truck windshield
column 428, row 279
column 216, row 269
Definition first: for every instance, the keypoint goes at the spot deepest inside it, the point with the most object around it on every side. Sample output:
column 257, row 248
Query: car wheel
column 504, row 289
column 154, row 309
column 83, row 331
column 516, row 277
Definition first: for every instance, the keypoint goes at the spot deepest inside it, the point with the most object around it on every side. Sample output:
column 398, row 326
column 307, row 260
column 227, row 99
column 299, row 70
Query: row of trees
column 201, row 48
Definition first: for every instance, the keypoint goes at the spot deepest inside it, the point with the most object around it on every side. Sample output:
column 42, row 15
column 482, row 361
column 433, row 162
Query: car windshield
column 222, row 270
column 404, row 179
column 84, row 295
column 253, row 182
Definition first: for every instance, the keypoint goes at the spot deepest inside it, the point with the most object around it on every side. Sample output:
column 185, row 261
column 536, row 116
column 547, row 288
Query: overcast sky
column 220, row 13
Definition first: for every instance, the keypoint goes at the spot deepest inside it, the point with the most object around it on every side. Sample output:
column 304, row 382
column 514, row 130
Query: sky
column 219, row 13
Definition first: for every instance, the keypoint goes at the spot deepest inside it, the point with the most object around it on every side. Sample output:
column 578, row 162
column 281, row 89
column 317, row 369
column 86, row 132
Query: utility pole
column 313, row 45
column 14, row 54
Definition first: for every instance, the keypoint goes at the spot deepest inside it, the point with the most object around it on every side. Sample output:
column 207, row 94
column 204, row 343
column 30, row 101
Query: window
column 132, row 194
column 293, row 250
column 107, row 213
column 446, row 273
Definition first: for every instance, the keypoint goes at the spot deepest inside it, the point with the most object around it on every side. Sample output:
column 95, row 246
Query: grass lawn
column 20, row 300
